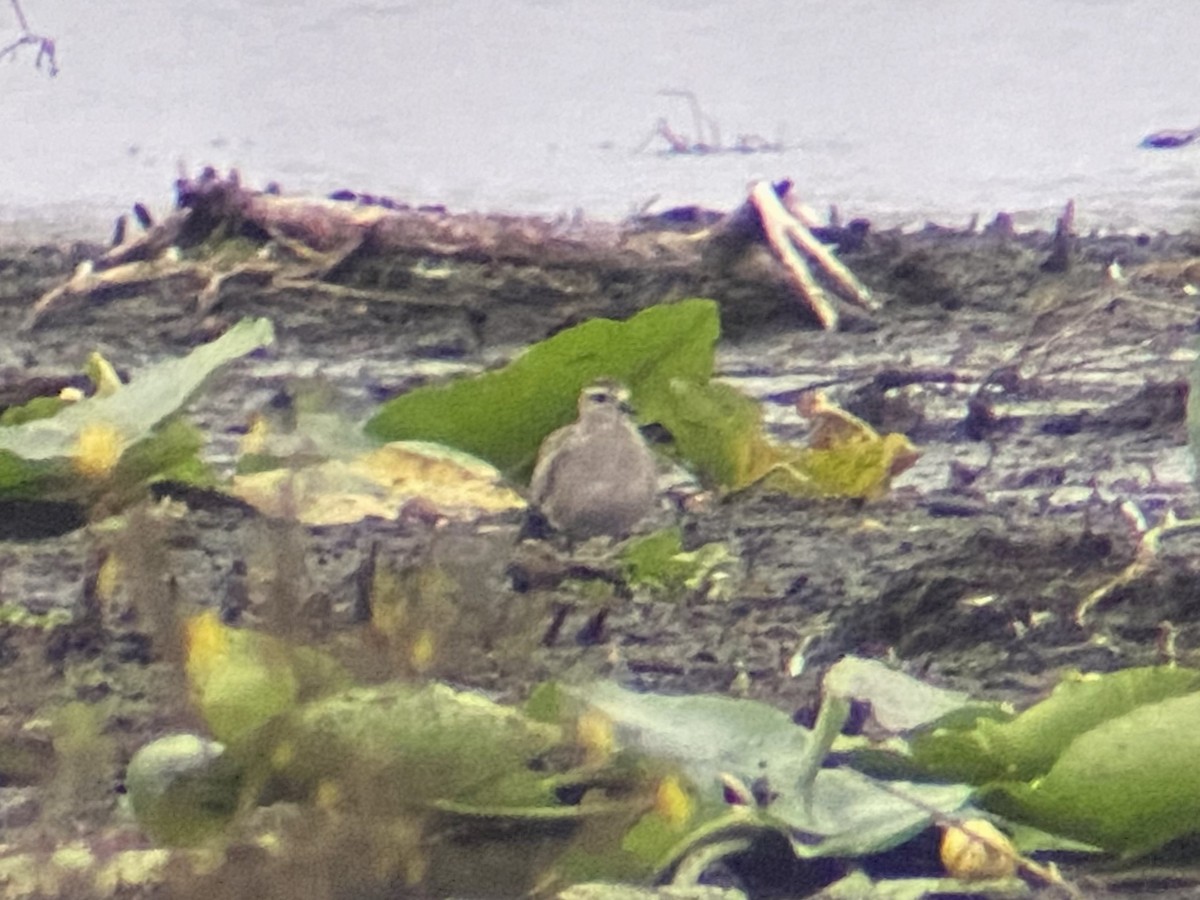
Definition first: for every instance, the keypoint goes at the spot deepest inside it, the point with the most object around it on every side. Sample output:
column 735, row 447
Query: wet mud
column 1049, row 408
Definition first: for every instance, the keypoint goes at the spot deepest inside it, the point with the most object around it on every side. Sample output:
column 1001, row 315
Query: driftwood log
column 224, row 236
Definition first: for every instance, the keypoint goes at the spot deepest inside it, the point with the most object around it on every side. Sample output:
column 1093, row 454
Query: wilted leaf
column 719, row 432
column 379, row 483
column 846, row 457
column 977, row 851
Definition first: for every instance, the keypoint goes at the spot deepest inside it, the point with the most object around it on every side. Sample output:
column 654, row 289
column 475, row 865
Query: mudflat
column 1048, row 406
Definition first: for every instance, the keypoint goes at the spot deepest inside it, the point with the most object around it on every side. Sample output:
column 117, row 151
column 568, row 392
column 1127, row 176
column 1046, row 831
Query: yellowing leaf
column 239, row 679
column 379, row 484
column 207, row 643
column 719, row 431
column 107, row 578
column 422, row 651
column 449, row 479
column 846, row 457
column 977, row 851
column 858, row 468
column 672, row 802
column 104, row 377
column 97, row 449
column 594, row 732
column 255, row 439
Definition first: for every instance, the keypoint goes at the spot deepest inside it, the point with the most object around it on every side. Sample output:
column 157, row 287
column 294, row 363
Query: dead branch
column 707, row 133
column 45, row 45
column 323, row 241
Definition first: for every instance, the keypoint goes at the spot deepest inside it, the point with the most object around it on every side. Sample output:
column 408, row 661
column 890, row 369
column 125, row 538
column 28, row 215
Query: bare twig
column 786, row 234
column 707, row 135
column 45, row 45
column 1062, row 250
column 1149, row 542
column 699, row 119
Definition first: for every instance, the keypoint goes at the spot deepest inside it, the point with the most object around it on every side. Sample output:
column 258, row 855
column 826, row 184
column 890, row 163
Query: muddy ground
column 1048, row 406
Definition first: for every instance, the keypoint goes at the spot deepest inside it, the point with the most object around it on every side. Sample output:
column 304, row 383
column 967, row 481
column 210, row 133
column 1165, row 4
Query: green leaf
column 170, row 451
column 717, row 429
column 503, row 416
column 898, row 701
column 648, row 560
column 839, row 812
column 658, row 562
column 37, row 408
column 856, row 815
column 183, row 789
column 858, row 885
column 136, row 426
column 239, row 679
column 152, row 395
column 546, row 703
column 22, row 479
column 403, row 747
column 1028, row 745
column 1130, row 784
column 707, row 736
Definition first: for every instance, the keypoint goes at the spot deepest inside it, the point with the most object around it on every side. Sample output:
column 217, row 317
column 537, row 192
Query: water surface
column 927, row 109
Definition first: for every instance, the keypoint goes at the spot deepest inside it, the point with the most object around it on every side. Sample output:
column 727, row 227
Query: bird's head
column 604, row 398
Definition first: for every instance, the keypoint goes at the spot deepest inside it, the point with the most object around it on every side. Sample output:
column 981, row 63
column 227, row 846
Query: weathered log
column 222, row 229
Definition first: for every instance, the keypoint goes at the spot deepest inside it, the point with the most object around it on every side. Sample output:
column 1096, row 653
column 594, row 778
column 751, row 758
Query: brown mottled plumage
column 596, row 476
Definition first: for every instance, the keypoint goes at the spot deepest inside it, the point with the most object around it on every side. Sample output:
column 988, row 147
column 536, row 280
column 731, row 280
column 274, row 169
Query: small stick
column 1062, row 249
column 785, row 232
column 779, row 227
column 849, row 286
column 44, row 44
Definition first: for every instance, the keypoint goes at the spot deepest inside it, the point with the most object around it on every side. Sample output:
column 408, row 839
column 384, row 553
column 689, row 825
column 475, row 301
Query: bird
column 596, row 476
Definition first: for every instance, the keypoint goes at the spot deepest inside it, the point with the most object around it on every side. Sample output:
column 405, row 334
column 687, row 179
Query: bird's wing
column 542, row 481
